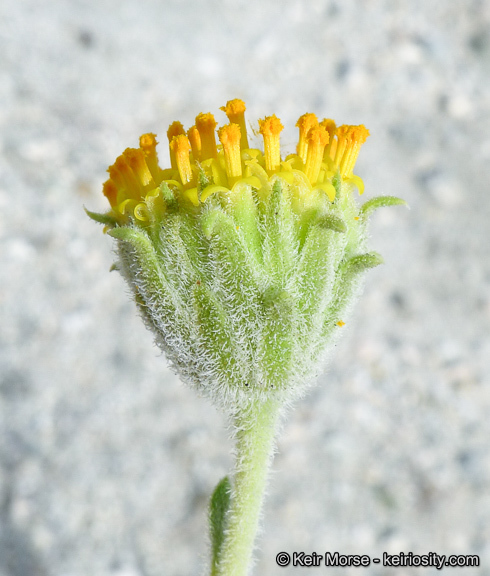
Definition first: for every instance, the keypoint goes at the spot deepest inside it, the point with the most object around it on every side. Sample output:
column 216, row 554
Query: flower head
column 244, row 262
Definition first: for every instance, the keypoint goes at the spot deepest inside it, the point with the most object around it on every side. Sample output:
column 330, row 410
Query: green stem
column 256, row 431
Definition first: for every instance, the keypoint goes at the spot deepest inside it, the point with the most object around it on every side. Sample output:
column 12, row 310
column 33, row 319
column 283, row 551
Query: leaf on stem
column 218, row 507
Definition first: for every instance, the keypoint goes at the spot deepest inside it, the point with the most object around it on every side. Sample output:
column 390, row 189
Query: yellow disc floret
column 195, row 140
column 343, row 136
column 131, row 182
column 331, row 128
column 206, row 124
column 317, row 140
column 358, row 135
column 116, row 177
column 109, row 190
column 135, row 159
column 230, row 138
column 270, row 128
column 175, row 129
column 180, row 147
column 235, row 110
column 148, row 143
column 305, row 123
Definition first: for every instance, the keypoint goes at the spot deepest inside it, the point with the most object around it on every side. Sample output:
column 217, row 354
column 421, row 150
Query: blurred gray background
column 106, row 460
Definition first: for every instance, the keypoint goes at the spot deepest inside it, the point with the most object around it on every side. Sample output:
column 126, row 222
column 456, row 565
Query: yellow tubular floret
column 344, row 160
column 305, row 123
column 206, row 124
column 148, row 143
column 317, row 140
column 230, row 138
column 175, row 129
column 195, row 140
column 235, row 111
column 358, row 136
column 131, row 183
column 180, row 147
column 110, row 190
column 331, row 128
column 136, row 161
column 116, row 177
column 270, row 128
column 343, row 136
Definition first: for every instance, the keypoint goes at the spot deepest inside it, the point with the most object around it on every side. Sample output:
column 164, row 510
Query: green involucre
column 246, row 292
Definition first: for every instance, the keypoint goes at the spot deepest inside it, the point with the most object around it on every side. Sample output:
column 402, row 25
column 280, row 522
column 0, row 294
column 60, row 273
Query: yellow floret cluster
column 199, row 166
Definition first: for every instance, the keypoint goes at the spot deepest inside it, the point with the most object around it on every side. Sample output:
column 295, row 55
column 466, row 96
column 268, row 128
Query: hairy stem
column 256, row 430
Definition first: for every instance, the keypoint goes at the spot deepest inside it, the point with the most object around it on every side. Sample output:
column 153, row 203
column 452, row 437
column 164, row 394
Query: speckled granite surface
column 106, row 460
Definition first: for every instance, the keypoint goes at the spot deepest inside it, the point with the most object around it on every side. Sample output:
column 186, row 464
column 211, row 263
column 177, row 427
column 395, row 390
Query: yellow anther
column 180, row 147
column 109, row 190
column 340, row 323
column 175, row 129
column 148, row 143
column 235, row 110
column 317, row 140
column 229, row 137
column 136, row 161
column 331, row 128
column 195, row 140
column 357, row 137
column 305, row 123
column 270, row 128
column 206, row 124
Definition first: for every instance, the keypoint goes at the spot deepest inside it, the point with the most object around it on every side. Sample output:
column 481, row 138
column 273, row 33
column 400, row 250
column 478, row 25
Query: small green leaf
column 218, row 507
column 371, row 205
column 106, row 219
column 331, row 222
